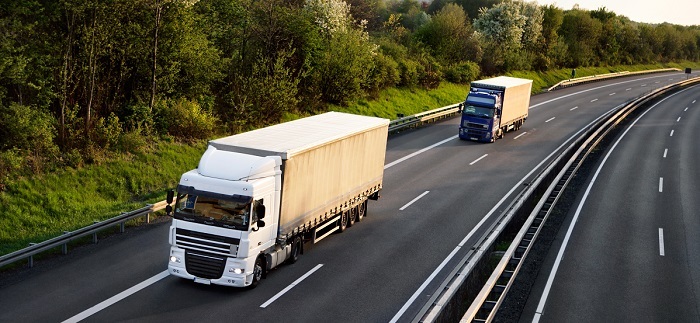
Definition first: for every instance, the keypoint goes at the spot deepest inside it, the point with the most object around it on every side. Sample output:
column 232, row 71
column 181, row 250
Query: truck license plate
column 202, row 281
column 474, row 138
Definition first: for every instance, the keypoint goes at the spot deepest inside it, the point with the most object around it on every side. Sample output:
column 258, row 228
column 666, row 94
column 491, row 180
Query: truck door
column 262, row 237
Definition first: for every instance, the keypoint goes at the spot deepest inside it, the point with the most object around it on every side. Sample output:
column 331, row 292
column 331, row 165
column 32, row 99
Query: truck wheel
column 361, row 210
column 296, row 248
column 257, row 272
column 343, row 221
column 352, row 215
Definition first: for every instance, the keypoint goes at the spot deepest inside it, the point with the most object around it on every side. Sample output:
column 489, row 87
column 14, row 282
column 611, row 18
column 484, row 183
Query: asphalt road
column 633, row 254
column 381, row 269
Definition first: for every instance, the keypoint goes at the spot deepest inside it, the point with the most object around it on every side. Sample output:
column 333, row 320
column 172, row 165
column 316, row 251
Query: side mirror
column 260, row 211
column 261, row 223
column 169, row 200
column 170, row 196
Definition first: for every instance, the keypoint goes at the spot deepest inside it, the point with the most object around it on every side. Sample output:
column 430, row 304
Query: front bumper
column 228, row 278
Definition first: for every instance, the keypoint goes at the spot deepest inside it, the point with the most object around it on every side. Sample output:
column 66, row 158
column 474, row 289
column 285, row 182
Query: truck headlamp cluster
column 174, row 259
column 237, row 271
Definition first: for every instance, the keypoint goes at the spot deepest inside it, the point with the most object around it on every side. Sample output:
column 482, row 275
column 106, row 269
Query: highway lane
column 634, row 252
column 369, row 272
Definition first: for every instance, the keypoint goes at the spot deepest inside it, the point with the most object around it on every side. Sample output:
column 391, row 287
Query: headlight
column 236, row 270
column 174, row 259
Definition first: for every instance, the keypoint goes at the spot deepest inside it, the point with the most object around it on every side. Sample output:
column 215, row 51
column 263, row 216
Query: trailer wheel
column 361, row 210
column 352, row 215
column 296, row 248
column 343, row 221
column 257, row 272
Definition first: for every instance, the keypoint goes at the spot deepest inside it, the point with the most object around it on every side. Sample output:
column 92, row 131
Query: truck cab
column 224, row 218
column 481, row 115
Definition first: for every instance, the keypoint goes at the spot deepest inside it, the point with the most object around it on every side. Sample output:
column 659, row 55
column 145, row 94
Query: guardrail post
column 121, row 227
column 94, row 235
column 31, row 258
column 148, row 218
column 64, row 247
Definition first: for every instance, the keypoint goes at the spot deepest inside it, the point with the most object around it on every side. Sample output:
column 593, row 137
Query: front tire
column 258, row 270
column 296, row 249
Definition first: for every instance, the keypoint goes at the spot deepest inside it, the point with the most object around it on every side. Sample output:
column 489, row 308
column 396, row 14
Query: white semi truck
column 257, row 197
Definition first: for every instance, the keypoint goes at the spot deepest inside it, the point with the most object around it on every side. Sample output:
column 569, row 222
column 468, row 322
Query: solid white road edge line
column 413, row 200
column 520, row 135
column 116, row 298
column 593, row 89
column 550, row 280
column 478, row 159
column 419, row 152
column 483, row 220
column 662, row 252
column 282, row 292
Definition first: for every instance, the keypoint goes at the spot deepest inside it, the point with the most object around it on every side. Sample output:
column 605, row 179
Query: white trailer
column 256, row 197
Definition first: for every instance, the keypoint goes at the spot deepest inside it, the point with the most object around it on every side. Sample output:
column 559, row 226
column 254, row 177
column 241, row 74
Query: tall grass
column 39, row 208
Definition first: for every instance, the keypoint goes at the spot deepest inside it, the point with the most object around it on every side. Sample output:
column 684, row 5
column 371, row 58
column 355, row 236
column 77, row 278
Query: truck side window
column 255, row 213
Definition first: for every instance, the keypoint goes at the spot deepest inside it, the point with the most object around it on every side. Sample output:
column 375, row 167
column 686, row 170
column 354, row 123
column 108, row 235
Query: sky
column 678, row 12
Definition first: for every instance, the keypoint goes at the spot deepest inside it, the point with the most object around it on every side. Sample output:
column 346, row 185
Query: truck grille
column 204, row 265
column 475, row 125
column 207, row 243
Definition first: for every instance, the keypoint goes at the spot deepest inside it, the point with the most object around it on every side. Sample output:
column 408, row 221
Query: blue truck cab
column 493, row 107
column 480, row 116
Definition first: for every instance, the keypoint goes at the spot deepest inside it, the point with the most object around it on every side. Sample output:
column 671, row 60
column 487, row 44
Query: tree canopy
column 82, row 79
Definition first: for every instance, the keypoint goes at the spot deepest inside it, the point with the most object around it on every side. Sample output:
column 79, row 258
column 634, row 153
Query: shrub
column 185, row 119
column 462, row 73
column 384, row 74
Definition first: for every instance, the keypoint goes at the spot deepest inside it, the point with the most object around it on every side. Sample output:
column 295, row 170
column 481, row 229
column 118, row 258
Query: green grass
column 42, row 207
column 39, row 208
column 391, row 102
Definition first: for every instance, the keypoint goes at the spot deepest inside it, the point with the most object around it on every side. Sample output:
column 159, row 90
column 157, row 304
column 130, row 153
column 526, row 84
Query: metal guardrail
column 472, row 292
column 593, row 78
column 423, row 117
column 63, row 240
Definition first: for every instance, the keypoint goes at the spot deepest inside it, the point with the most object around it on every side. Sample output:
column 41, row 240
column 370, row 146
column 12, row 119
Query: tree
column 449, row 35
column 581, row 33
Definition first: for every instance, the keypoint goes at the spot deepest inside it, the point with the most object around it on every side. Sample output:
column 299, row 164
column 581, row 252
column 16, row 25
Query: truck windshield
column 213, row 211
column 471, row 110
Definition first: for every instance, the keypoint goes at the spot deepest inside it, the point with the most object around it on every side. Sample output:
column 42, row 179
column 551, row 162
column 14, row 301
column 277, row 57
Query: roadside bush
column 107, row 131
column 462, row 73
column 384, row 74
column 410, row 72
column 30, row 129
column 185, row 119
